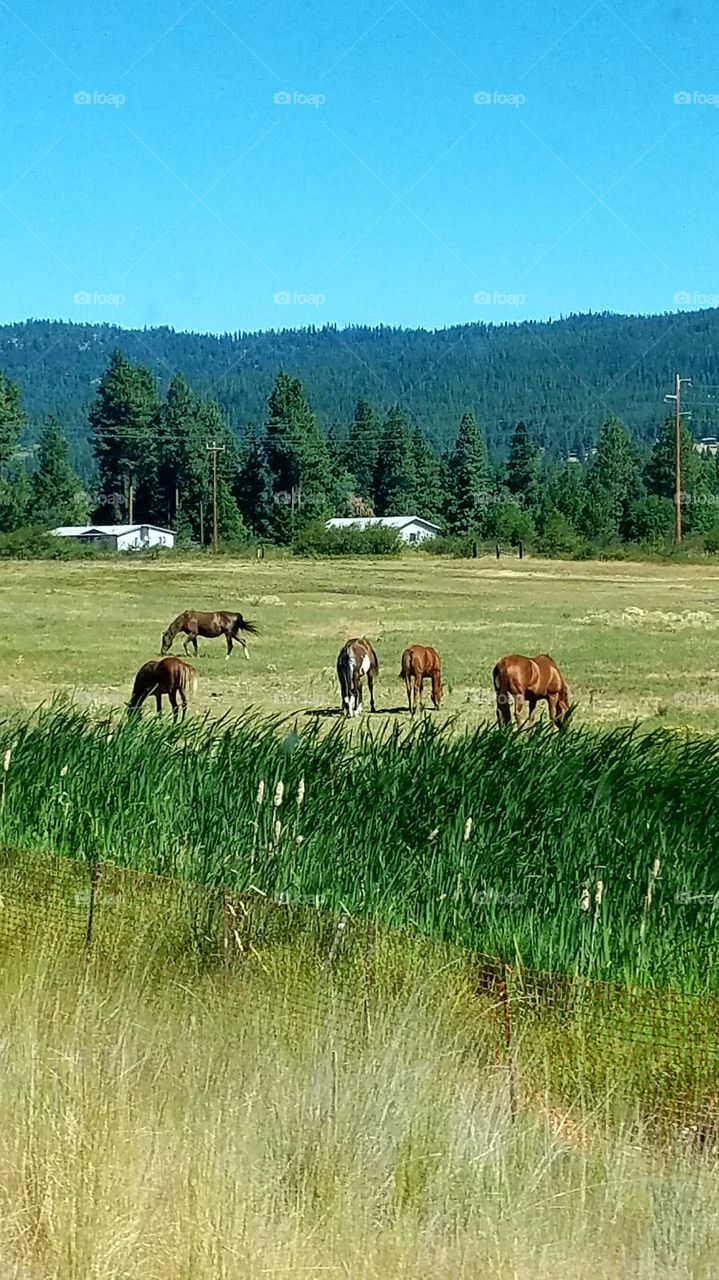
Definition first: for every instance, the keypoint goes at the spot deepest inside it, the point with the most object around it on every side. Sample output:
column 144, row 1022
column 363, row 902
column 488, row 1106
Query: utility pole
column 130, row 500
column 677, row 398
column 214, row 449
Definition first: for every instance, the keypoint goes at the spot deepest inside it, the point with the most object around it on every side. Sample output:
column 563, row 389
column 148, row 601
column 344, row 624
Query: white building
column 411, row 529
column 119, row 537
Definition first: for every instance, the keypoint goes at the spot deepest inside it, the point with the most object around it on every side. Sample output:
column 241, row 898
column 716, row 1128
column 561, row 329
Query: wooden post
column 94, row 877
column 367, row 977
column 496, row 548
column 504, row 997
column 521, row 550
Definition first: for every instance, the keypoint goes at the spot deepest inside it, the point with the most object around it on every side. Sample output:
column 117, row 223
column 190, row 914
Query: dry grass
column 635, row 640
column 163, row 1129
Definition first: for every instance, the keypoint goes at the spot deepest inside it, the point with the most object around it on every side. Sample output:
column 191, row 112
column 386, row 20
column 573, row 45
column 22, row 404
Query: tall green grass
column 491, row 840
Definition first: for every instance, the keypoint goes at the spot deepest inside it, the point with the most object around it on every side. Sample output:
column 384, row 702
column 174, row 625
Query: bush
column 316, row 540
column 37, row 544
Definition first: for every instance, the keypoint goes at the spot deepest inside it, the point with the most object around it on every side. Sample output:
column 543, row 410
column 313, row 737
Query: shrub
column 316, row 540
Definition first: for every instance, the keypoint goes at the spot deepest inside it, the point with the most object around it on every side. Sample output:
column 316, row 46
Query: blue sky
column 183, row 193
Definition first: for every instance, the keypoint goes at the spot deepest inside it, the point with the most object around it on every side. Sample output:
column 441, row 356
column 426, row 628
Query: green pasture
column 635, row 640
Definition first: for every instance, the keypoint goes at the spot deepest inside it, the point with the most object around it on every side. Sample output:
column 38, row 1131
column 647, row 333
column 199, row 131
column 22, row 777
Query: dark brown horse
column 209, row 625
column 171, row 677
column 420, row 663
column 531, row 680
column 356, row 660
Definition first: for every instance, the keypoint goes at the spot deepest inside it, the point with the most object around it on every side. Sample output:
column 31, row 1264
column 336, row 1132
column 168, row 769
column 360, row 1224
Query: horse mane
column 175, row 626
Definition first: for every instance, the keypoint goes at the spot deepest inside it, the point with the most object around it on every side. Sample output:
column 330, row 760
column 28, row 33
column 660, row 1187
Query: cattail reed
column 300, row 791
column 467, row 829
column 279, row 793
column 260, row 792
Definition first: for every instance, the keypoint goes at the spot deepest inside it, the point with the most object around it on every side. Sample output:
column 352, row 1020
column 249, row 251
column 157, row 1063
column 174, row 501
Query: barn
column 118, row 537
column 411, row 529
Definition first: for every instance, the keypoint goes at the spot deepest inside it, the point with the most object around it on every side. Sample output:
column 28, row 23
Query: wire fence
column 575, row 1043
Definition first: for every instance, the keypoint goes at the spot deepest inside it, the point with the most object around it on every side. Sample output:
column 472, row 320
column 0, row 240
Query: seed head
column 6, row 760
column 63, row 771
column 301, row 791
column 279, row 792
column 261, row 791
column 277, row 831
column 467, row 829
column 585, row 899
column 599, row 890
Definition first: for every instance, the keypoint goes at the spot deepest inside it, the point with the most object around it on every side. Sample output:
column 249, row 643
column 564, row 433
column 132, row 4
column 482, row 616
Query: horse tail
column 244, row 624
column 497, row 675
column 406, row 670
column 186, row 680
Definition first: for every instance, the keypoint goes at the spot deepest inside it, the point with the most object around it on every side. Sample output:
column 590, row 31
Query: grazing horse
column 209, row 625
column 531, row 680
column 171, row 677
column 420, row 663
column 355, row 660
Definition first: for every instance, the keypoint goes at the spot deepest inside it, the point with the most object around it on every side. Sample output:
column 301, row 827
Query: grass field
column 635, row 641
column 163, row 1123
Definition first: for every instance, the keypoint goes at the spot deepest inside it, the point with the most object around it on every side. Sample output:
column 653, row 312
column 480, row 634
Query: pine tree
column 15, row 501
column 362, row 450
column 298, row 458
column 182, row 460
column 523, row 466
column 395, row 476
column 253, row 485
column 660, row 474
column 56, row 492
column 121, row 423
column 613, row 483
column 12, row 419
column 468, row 480
column 429, row 495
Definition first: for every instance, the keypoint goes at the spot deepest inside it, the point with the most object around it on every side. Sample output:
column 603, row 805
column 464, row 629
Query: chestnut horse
column 355, row 660
column 209, row 625
column 171, row 677
column 420, row 663
column 531, row 680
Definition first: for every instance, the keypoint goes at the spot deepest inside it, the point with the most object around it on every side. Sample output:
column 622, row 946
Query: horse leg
column 186, row 642
column 370, row 686
column 436, row 690
column 158, row 700
column 418, row 683
column 532, row 704
column 172, row 695
column 408, row 688
column 518, row 708
column 552, row 700
column 183, row 700
column 229, row 645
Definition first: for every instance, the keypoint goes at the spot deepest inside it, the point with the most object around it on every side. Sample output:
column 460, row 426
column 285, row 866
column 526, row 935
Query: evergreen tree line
column 153, row 461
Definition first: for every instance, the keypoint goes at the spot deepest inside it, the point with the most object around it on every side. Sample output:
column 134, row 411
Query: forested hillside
column 562, row 377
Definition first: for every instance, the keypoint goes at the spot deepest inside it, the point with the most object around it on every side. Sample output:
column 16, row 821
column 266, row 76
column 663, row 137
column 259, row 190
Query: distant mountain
column 562, row 376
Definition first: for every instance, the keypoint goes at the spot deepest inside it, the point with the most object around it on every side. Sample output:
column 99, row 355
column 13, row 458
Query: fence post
column 504, row 997
column 336, row 942
column 521, row 550
column 367, row 977
column 94, row 877
column 496, row 549
column 226, row 929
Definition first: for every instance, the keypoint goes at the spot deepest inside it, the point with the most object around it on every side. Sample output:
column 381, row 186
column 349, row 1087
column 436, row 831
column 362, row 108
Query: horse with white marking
column 356, row 660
